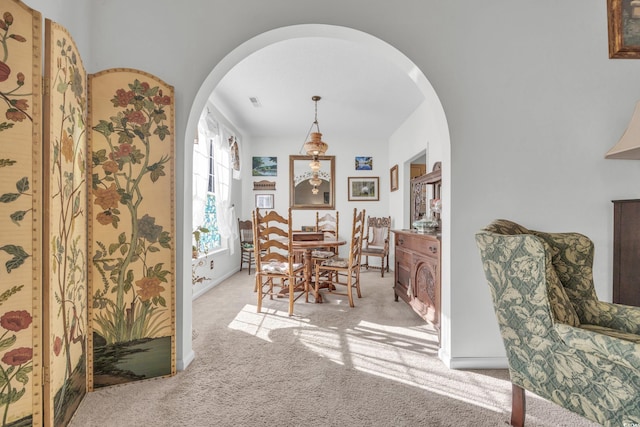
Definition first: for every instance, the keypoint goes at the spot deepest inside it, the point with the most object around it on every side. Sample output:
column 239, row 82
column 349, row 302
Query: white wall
column 74, row 15
column 418, row 134
column 531, row 98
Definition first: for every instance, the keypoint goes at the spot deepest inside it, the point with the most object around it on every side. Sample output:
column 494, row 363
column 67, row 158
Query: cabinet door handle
column 400, row 241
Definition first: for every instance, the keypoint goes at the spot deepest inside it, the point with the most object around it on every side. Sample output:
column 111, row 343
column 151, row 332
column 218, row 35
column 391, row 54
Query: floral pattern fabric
column 562, row 343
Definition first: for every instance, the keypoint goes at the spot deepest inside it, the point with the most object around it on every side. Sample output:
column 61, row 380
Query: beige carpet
column 329, row 365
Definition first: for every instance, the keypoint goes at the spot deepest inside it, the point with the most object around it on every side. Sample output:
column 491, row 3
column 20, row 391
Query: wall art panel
column 20, row 213
column 65, row 226
column 131, row 227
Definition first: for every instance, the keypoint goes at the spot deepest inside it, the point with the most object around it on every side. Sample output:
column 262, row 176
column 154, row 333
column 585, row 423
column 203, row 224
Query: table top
column 307, row 235
column 301, row 244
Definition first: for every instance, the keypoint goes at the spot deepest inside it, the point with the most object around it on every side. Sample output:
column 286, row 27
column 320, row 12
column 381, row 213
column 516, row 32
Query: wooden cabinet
column 626, row 252
column 417, row 273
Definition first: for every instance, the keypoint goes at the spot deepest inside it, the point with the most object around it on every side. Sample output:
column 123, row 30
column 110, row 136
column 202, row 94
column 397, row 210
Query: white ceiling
column 363, row 94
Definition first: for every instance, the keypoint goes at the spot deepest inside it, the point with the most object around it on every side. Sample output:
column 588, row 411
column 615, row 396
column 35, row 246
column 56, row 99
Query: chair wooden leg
column 349, row 290
column 518, row 406
column 249, row 263
column 258, row 288
column 292, row 287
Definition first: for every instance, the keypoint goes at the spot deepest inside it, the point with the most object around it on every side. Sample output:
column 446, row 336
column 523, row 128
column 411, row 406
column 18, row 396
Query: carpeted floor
column 328, row 365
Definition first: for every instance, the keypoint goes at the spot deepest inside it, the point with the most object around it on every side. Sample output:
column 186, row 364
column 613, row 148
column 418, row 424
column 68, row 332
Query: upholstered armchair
column 562, row 343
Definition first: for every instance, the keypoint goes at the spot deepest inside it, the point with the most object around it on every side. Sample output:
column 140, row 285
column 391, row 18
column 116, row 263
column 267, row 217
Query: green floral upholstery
column 562, row 343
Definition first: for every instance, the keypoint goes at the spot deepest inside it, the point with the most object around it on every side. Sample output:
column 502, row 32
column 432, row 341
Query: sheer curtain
column 227, row 225
column 209, row 129
column 201, row 171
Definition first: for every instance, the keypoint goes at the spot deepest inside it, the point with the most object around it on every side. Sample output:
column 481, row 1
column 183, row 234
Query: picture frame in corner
column 393, row 178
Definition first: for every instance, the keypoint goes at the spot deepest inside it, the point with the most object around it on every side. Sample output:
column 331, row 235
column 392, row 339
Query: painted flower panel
column 65, row 253
column 133, row 239
column 20, row 203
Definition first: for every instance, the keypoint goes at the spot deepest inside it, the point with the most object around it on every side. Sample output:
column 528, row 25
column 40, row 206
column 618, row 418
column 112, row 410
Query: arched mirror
column 305, row 192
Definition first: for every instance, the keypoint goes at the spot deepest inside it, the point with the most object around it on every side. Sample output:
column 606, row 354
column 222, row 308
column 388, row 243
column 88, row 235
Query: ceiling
column 363, row 94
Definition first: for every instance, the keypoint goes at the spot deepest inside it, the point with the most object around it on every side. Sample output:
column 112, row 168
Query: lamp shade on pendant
column 628, row 147
column 315, row 147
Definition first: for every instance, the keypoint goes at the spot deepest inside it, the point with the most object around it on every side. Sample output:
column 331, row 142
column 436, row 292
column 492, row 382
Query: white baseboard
column 213, row 284
column 473, row 362
column 181, row 364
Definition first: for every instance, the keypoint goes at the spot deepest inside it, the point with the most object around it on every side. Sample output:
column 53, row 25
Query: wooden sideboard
column 626, row 252
column 417, row 273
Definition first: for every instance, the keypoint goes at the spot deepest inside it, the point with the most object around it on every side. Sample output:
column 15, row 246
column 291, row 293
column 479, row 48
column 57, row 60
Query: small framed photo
column 364, row 188
column 364, row 163
column 264, row 201
column 393, row 178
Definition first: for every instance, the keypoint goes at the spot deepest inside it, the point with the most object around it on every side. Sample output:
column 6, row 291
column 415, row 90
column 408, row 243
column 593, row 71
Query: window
column 210, row 240
column 205, row 219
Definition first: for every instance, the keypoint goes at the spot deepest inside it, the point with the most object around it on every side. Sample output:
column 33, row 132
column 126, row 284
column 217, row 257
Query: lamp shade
column 628, row 147
column 315, row 147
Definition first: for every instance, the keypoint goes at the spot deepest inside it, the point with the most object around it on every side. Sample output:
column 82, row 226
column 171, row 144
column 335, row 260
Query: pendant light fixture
column 315, row 146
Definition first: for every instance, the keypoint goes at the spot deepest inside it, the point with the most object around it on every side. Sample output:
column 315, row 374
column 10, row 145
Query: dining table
column 308, row 246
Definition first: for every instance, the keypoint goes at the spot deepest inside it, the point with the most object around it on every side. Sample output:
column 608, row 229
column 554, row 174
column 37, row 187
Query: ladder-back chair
column 344, row 271
column 328, row 225
column 245, row 230
column 273, row 252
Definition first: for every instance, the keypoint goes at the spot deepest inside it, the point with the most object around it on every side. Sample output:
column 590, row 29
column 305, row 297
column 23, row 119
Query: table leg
column 308, row 272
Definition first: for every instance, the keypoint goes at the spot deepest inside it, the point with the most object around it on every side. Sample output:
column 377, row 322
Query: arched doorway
column 436, row 118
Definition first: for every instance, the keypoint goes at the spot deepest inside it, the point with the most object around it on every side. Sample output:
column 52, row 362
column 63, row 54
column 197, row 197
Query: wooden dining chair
column 376, row 242
column 245, row 230
column 344, row 271
column 327, row 224
column 273, row 252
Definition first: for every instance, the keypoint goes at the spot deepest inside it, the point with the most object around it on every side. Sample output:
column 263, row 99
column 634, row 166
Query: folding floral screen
column 87, row 259
column 20, row 214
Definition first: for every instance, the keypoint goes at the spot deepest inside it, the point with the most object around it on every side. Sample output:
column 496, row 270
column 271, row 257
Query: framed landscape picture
column 264, row 166
column 364, row 163
column 364, row 188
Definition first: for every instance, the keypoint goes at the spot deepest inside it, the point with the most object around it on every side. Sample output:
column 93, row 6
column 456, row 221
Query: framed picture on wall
column 624, row 28
column 264, row 166
column 364, row 188
column 364, row 163
column 393, row 178
column 264, row 201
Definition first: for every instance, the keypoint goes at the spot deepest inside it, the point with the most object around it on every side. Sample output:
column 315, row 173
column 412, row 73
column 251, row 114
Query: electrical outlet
column 211, row 265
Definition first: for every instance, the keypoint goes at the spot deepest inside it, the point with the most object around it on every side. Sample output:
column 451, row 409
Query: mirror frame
column 293, row 159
